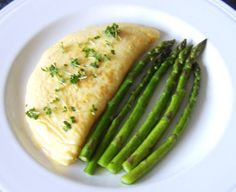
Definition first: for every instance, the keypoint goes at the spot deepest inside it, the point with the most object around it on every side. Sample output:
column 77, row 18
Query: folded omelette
column 74, row 80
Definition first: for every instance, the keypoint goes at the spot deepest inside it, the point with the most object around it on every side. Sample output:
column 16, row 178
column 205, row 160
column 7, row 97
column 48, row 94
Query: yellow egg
column 74, row 80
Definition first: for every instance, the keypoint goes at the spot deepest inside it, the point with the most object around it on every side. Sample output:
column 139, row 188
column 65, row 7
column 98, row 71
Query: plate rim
column 13, row 7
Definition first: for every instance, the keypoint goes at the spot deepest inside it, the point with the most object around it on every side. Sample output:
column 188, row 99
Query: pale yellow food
column 90, row 95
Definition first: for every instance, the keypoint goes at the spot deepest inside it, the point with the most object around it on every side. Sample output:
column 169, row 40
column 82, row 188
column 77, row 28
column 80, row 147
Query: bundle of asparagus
column 136, row 154
column 169, row 143
column 156, row 55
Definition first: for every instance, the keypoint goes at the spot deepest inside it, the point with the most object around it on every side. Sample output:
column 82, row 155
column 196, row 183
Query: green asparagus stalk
column 90, row 168
column 145, row 148
column 112, row 130
column 116, row 164
column 178, row 130
column 104, row 121
column 146, row 165
column 133, row 118
column 149, row 162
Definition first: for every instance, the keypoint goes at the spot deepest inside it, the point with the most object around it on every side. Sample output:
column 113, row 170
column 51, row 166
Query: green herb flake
column 74, row 62
column 55, row 100
column 90, row 52
column 32, row 113
column 53, row 70
column 74, row 78
column 47, row 110
column 67, row 126
column 106, row 57
column 73, row 108
column 72, row 119
column 65, row 65
column 64, row 109
column 97, row 37
column 98, row 57
column 82, row 74
column 112, row 31
column 57, row 90
column 113, row 52
column 93, row 110
column 95, row 65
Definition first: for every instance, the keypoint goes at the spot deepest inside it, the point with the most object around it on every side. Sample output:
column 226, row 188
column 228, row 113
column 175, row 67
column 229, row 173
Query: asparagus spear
column 133, row 118
column 90, row 168
column 116, row 164
column 112, row 130
column 144, row 149
column 104, row 121
column 147, row 164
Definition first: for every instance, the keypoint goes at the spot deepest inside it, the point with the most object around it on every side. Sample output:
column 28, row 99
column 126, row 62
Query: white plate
column 204, row 160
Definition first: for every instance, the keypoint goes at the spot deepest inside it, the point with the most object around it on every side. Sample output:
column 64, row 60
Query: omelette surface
column 74, row 80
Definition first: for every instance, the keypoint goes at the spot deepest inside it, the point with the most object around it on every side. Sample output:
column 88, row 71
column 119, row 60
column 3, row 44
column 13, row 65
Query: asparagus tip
column 169, row 42
column 172, row 42
column 203, row 43
column 198, row 49
column 182, row 44
column 184, row 41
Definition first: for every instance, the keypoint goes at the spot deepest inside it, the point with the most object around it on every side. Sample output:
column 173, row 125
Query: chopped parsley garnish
column 97, row 37
column 112, row 31
column 57, row 90
column 90, row 52
column 82, row 74
column 74, row 62
column 53, row 70
column 98, row 57
column 64, row 109
column 74, row 78
column 55, row 100
column 73, row 108
column 106, row 57
column 72, row 119
column 47, row 110
column 113, row 52
column 94, row 64
column 32, row 113
column 93, row 109
column 67, row 126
